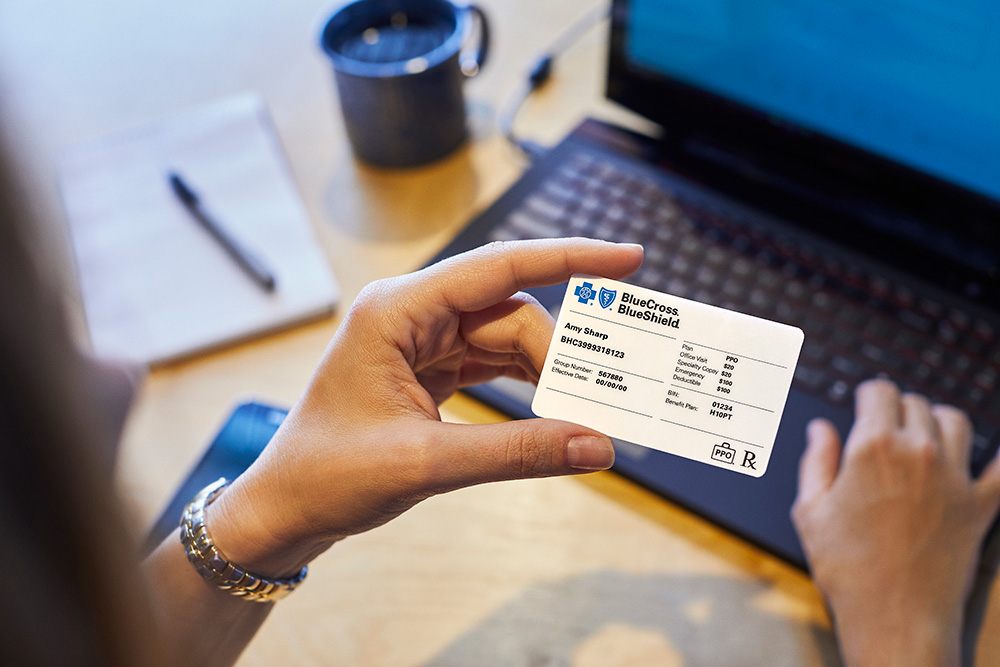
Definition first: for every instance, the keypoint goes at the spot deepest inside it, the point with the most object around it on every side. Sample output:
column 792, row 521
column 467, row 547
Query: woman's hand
column 893, row 525
column 365, row 441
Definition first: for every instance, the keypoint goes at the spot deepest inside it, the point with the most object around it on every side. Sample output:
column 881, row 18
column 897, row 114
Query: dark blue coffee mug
column 399, row 66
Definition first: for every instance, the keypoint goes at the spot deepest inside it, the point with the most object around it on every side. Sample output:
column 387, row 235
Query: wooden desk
column 584, row 571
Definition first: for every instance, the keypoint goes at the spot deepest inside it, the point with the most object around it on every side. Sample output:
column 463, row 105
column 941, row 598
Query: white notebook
column 155, row 285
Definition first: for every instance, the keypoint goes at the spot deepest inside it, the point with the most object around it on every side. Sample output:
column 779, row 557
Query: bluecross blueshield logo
column 585, row 293
column 607, row 297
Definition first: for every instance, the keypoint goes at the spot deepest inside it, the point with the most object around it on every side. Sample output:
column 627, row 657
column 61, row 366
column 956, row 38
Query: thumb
column 467, row 454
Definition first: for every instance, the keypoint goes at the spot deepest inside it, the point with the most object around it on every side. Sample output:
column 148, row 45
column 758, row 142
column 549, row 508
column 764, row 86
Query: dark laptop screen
column 917, row 81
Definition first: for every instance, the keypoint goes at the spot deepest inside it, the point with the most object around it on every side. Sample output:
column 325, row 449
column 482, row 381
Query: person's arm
column 892, row 525
column 365, row 441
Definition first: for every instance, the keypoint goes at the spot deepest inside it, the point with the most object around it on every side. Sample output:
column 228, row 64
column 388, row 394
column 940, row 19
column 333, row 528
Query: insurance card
column 687, row 378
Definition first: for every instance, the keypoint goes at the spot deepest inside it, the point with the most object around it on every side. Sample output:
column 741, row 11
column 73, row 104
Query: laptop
column 831, row 165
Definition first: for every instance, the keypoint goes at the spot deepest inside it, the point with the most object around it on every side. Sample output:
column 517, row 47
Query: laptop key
column 839, row 393
column 849, row 367
column 879, row 328
column 984, row 331
column 986, row 379
column 984, row 443
column 916, row 321
column 810, row 379
column 882, row 358
column 933, row 356
column 531, row 226
column 932, row 308
column 814, row 352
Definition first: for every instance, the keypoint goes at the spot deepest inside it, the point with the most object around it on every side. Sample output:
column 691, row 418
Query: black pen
column 251, row 264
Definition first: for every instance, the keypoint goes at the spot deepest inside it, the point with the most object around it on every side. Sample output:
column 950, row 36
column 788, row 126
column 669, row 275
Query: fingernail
column 814, row 429
column 588, row 452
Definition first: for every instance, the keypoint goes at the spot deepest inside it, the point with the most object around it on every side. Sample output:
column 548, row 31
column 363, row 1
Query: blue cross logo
column 585, row 293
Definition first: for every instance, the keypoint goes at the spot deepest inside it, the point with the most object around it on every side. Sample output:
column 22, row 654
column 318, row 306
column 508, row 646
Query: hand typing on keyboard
column 892, row 524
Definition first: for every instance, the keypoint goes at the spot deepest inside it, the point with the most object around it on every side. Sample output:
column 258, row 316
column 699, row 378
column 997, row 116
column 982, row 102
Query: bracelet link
column 213, row 566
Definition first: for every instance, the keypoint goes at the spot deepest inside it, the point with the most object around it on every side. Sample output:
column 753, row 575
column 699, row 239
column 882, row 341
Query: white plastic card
column 680, row 376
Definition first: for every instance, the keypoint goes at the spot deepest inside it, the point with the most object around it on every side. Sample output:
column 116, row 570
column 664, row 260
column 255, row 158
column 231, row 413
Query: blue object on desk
column 234, row 448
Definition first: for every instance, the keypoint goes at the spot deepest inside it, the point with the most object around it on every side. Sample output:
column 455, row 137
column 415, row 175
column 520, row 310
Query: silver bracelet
column 214, row 567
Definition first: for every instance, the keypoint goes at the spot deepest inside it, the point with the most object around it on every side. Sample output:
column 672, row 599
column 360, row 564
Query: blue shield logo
column 607, row 297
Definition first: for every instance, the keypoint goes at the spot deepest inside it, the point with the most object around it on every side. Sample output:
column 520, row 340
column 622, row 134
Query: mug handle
column 472, row 63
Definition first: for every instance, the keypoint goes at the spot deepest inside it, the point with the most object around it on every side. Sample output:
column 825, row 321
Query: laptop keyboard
column 857, row 324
